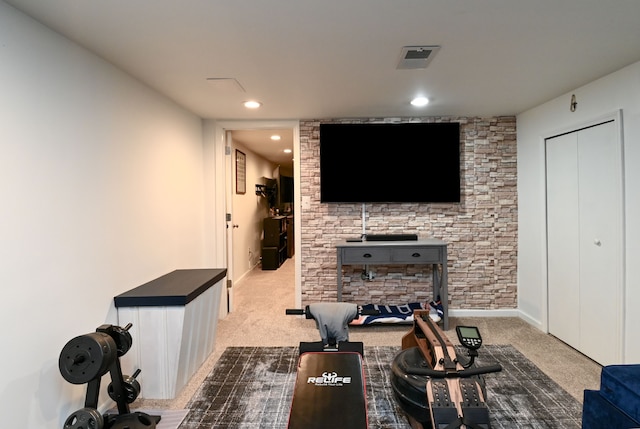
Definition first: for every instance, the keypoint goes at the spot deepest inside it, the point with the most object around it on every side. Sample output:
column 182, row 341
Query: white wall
column 102, row 190
column 617, row 91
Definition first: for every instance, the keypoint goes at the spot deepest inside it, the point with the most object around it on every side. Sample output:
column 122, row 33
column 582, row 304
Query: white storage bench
column 174, row 321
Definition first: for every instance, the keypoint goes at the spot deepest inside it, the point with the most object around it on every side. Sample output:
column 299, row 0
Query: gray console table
column 413, row 252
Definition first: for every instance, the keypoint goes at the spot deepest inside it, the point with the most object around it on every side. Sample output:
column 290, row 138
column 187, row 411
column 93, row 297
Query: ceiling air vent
column 227, row 84
column 416, row 57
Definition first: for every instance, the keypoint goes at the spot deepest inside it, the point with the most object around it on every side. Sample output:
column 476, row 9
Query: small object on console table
column 391, row 237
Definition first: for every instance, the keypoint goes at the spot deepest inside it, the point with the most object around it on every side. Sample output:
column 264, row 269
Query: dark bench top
column 179, row 287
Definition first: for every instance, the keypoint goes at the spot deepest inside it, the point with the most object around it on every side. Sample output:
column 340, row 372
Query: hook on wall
column 574, row 103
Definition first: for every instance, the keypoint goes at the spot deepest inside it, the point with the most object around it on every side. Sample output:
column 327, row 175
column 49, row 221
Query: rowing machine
column 434, row 387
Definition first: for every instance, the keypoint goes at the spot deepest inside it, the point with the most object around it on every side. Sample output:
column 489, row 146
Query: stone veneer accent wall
column 481, row 231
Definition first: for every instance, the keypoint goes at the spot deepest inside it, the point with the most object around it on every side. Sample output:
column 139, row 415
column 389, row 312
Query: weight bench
column 329, row 392
column 330, row 389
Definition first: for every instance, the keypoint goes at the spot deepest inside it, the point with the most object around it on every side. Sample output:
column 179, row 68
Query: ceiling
column 338, row 59
column 260, row 141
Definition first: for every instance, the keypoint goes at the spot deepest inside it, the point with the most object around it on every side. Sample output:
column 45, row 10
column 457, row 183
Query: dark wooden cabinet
column 274, row 242
column 290, row 241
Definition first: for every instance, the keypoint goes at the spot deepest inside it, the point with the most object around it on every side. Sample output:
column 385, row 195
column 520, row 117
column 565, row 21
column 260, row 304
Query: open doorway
column 260, row 183
column 263, row 189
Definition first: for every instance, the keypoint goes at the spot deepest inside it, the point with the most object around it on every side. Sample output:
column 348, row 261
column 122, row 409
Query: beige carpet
column 258, row 319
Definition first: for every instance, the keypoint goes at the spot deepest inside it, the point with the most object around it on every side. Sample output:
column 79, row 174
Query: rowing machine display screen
column 469, row 337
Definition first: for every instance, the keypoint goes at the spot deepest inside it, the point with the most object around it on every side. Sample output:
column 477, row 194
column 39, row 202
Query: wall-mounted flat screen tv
column 390, row 162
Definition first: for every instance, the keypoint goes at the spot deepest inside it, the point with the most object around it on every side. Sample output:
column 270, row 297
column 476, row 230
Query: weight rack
column 85, row 359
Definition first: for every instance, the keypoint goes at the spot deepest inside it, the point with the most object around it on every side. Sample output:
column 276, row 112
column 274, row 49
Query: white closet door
column 584, row 234
column 600, row 243
column 563, row 259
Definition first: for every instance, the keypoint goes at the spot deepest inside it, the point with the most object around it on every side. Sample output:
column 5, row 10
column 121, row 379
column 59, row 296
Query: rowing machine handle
column 305, row 312
column 478, row 370
column 469, row 372
column 299, row 312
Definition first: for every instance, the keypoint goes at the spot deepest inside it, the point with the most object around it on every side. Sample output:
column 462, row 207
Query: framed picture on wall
column 241, row 172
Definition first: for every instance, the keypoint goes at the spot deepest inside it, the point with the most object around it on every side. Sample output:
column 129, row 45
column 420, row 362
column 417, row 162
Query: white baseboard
column 504, row 312
column 501, row 312
column 533, row 322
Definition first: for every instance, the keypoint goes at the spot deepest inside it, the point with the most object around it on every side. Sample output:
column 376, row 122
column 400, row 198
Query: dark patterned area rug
column 252, row 387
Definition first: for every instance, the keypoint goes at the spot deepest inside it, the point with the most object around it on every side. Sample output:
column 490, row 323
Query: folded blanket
column 389, row 313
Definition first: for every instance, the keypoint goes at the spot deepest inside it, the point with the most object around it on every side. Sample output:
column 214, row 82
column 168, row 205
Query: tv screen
column 390, row 163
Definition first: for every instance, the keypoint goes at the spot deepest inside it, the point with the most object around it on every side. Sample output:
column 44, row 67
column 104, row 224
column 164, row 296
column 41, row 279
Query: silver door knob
column 597, row 242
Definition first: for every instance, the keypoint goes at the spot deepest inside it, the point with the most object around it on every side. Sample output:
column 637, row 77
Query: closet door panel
column 563, row 239
column 600, row 242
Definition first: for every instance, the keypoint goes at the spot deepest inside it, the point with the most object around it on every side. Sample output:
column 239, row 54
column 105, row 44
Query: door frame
column 616, row 117
column 225, row 176
column 229, row 180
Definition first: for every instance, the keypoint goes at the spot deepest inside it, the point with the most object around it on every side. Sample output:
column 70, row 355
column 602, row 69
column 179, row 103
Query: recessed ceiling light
column 251, row 104
column 287, row 151
column 275, row 137
column 420, row 101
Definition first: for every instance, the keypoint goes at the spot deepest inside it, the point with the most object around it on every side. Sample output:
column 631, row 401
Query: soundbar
column 391, row 237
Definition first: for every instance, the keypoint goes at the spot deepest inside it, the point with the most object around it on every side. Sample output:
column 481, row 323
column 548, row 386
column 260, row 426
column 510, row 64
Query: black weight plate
column 131, row 388
column 87, row 357
column 136, row 420
column 86, row 418
column 123, row 340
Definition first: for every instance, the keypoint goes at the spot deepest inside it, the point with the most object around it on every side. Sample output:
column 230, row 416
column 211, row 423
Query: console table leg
column 444, row 295
column 440, row 289
column 339, row 279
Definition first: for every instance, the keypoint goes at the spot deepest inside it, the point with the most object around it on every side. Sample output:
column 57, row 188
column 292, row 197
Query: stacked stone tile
column 481, row 230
